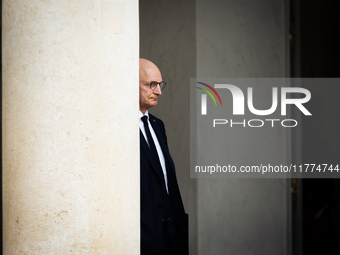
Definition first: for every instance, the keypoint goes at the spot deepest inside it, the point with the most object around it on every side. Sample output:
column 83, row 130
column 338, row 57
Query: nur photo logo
column 280, row 97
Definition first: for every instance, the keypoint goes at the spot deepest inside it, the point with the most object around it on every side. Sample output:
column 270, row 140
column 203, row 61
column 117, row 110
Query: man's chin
column 151, row 105
column 154, row 103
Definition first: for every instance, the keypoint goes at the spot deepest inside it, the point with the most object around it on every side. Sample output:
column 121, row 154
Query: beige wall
column 70, row 131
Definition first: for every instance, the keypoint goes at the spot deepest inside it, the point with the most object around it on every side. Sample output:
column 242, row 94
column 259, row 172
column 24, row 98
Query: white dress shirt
column 158, row 147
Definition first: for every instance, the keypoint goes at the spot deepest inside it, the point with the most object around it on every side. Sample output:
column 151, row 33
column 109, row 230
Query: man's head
column 148, row 73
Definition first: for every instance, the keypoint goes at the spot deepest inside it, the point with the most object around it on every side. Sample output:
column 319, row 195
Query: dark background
column 315, row 53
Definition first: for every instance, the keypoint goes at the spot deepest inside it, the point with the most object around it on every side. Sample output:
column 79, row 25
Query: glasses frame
column 153, row 85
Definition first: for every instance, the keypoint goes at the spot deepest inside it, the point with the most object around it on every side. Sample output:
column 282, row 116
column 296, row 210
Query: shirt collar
column 141, row 114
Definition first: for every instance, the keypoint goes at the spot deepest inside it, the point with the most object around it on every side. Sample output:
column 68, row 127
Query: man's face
column 148, row 97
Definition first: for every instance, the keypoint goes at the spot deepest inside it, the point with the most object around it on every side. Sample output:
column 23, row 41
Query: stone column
column 70, row 130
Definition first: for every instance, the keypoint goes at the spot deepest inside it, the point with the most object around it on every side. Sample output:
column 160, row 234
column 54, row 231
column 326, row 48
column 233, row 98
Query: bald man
column 164, row 224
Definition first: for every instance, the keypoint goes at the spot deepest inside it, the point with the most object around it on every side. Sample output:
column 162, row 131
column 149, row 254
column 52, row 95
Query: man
column 164, row 224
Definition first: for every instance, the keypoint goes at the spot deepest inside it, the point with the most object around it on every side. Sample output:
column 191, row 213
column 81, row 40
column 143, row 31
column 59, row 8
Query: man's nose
column 158, row 90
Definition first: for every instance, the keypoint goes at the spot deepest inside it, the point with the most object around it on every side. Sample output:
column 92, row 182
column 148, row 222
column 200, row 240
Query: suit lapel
column 161, row 141
column 153, row 161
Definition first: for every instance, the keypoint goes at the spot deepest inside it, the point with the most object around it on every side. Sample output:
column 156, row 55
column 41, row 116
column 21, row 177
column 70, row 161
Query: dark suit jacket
column 154, row 196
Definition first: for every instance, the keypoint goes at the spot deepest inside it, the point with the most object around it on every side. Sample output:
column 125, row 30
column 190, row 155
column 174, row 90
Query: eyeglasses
column 153, row 85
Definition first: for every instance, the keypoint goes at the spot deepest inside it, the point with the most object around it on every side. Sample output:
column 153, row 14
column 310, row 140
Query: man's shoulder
column 156, row 120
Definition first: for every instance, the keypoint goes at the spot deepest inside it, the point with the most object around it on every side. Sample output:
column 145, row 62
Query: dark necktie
column 148, row 135
column 152, row 144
